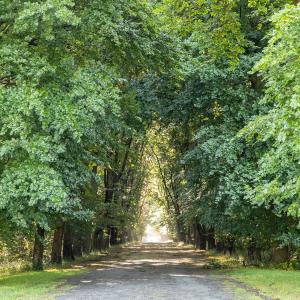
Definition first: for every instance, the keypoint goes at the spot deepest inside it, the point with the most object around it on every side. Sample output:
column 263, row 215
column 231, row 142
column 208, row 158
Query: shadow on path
column 149, row 271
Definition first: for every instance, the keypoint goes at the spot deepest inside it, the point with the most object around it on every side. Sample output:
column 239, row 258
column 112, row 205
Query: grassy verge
column 17, row 283
column 269, row 283
column 277, row 284
column 34, row 285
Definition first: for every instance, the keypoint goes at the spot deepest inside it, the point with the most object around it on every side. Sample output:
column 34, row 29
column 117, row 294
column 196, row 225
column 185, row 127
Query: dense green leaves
column 246, row 193
column 278, row 178
column 94, row 93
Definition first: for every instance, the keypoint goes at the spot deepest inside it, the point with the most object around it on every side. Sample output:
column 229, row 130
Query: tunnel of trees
column 194, row 103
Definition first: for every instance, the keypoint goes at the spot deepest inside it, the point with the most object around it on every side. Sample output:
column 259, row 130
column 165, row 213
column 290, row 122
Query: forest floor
column 155, row 271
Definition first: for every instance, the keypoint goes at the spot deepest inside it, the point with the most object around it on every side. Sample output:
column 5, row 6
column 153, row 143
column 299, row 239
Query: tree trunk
column 123, row 237
column 87, row 242
column 280, row 255
column 202, row 237
column 77, row 246
column 220, row 247
column 211, row 242
column 100, row 240
column 253, row 253
column 196, row 236
column 113, row 235
column 110, row 179
column 56, row 257
column 104, row 241
column 231, row 247
column 68, row 244
column 180, row 230
column 189, row 235
column 38, row 249
column 96, row 243
column 130, row 238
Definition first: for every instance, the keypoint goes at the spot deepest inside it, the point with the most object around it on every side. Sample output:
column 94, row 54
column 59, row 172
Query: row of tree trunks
column 100, row 240
column 69, row 242
column 204, row 239
column 224, row 246
column 220, row 247
column 67, row 245
column 63, row 246
column 211, row 241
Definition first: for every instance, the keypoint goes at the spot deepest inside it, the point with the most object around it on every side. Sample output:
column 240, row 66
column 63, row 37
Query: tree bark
column 38, row 249
column 211, row 242
column 113, row 235
column 220, row 247
column 56, row 257
column 68, row 244
column 100, row 240
column 231, row 247
column 87, row 242
column 180, row 231
column 202, row 237
column 253, row 253
column 77, row 246
column 123, row 237
column 96, row 239
column 109, row 182
column 189, row 239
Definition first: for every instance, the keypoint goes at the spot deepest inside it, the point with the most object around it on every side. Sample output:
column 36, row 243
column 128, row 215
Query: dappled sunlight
column 137, row 270
column 145, row 257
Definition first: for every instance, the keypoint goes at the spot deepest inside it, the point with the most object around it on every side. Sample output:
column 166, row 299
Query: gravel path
column 149, row 271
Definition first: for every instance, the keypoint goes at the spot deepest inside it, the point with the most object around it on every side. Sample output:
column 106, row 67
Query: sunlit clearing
column 152, row 235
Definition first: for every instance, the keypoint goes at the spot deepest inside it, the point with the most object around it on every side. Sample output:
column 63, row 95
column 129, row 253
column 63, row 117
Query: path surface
column 149, row 271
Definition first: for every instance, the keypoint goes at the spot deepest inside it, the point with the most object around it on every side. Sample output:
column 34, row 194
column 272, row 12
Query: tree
column 277, row 182
column 62, row 66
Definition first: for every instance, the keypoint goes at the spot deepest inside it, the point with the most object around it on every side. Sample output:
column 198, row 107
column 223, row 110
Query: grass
column 34, row 285
column 240, row 293
column 278, row 284
column 270, row 282
column 17, row 283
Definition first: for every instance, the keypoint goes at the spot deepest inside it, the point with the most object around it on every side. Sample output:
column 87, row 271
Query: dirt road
column 149, row 271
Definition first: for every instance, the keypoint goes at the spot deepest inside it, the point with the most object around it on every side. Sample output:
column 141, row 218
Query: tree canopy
column 98, row 97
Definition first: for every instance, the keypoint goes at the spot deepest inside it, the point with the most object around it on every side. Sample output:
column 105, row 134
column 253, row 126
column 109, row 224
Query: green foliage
column 207, row 24
column 90, row 90
column 67, row 104
column 277, row 182
column 211, row 169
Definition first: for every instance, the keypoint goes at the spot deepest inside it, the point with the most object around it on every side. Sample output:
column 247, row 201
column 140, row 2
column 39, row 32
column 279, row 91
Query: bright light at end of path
column 152, row 235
